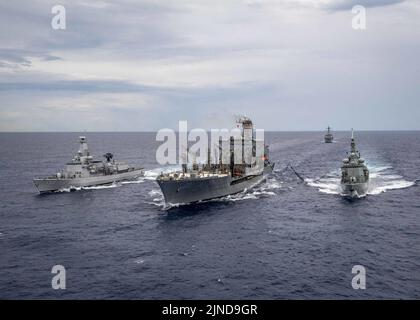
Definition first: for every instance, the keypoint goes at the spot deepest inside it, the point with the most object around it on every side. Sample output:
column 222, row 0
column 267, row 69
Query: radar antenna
column 108, row 156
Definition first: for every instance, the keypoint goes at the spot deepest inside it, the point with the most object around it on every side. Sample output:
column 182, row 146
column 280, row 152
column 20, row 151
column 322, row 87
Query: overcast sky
column 143, row 65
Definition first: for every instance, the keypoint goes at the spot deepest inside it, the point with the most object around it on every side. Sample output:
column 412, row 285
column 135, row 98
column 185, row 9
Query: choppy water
column 284, row 239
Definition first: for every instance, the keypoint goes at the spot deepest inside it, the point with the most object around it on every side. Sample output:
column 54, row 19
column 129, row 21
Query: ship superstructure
column 355, row 174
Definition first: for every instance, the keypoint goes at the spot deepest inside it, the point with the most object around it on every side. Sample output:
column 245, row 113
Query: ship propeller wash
column 84, row 171
column 209, row 181
column 355, row 174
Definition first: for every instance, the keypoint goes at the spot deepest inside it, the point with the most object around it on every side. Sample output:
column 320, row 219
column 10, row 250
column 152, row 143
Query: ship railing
column 52, row 177
column 180, row 176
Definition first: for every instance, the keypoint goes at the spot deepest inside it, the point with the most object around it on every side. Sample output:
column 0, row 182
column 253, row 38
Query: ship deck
column 191, row 175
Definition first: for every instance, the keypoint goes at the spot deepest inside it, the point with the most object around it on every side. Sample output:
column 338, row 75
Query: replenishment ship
column 209, row 181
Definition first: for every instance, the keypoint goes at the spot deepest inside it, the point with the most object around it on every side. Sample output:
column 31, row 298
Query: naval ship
column 355, row 174
column 328, row 136
column 209, row 181
column 84, row 171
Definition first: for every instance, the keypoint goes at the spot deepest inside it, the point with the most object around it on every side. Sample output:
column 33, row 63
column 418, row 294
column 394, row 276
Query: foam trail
column 137, row 181
column 392, row 184
column 263, row 189
column 110, row 186
column 106, row 186
column 72, row 189
column 69, row 189
column 329, row 186
column 156, row 198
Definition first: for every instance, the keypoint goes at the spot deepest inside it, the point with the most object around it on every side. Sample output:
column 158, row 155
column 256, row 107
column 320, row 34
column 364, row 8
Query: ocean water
column 284, row 239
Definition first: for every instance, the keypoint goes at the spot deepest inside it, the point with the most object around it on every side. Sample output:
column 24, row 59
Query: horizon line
column 154, row 131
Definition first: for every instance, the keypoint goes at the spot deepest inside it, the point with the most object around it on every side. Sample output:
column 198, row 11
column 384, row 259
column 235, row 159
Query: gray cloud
column 142, row 65
column 14, row 58
column 74, row 85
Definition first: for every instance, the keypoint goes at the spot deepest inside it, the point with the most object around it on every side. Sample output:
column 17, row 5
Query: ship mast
column 84, row 150
column 353, row 143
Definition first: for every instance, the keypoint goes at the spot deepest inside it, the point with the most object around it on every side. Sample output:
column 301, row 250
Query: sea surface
column 287, row 238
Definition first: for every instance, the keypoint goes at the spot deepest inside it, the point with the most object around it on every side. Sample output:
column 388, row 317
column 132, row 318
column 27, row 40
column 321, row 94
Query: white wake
column 382, row 179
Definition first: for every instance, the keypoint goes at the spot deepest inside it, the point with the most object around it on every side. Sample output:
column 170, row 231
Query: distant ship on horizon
column 328, row 138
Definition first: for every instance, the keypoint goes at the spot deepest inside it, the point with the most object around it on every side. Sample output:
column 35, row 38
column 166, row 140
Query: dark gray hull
column 53, row 184
column 328, row 139
column 193, row 190
column 355, row 190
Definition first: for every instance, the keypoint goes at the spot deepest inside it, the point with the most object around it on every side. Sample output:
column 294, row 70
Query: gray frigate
column 84, row 171
column 209, row 181
column 355, row 174
column 328, row 136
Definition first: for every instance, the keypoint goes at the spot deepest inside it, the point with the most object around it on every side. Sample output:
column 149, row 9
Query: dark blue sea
column 285, row 239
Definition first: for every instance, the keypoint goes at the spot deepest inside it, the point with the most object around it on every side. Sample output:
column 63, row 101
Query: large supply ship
column 209, row 181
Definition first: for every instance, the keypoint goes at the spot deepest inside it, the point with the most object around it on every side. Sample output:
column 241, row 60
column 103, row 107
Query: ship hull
column 328, row 139
column 194, row 190
column 45, row 185
column 354, row 190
